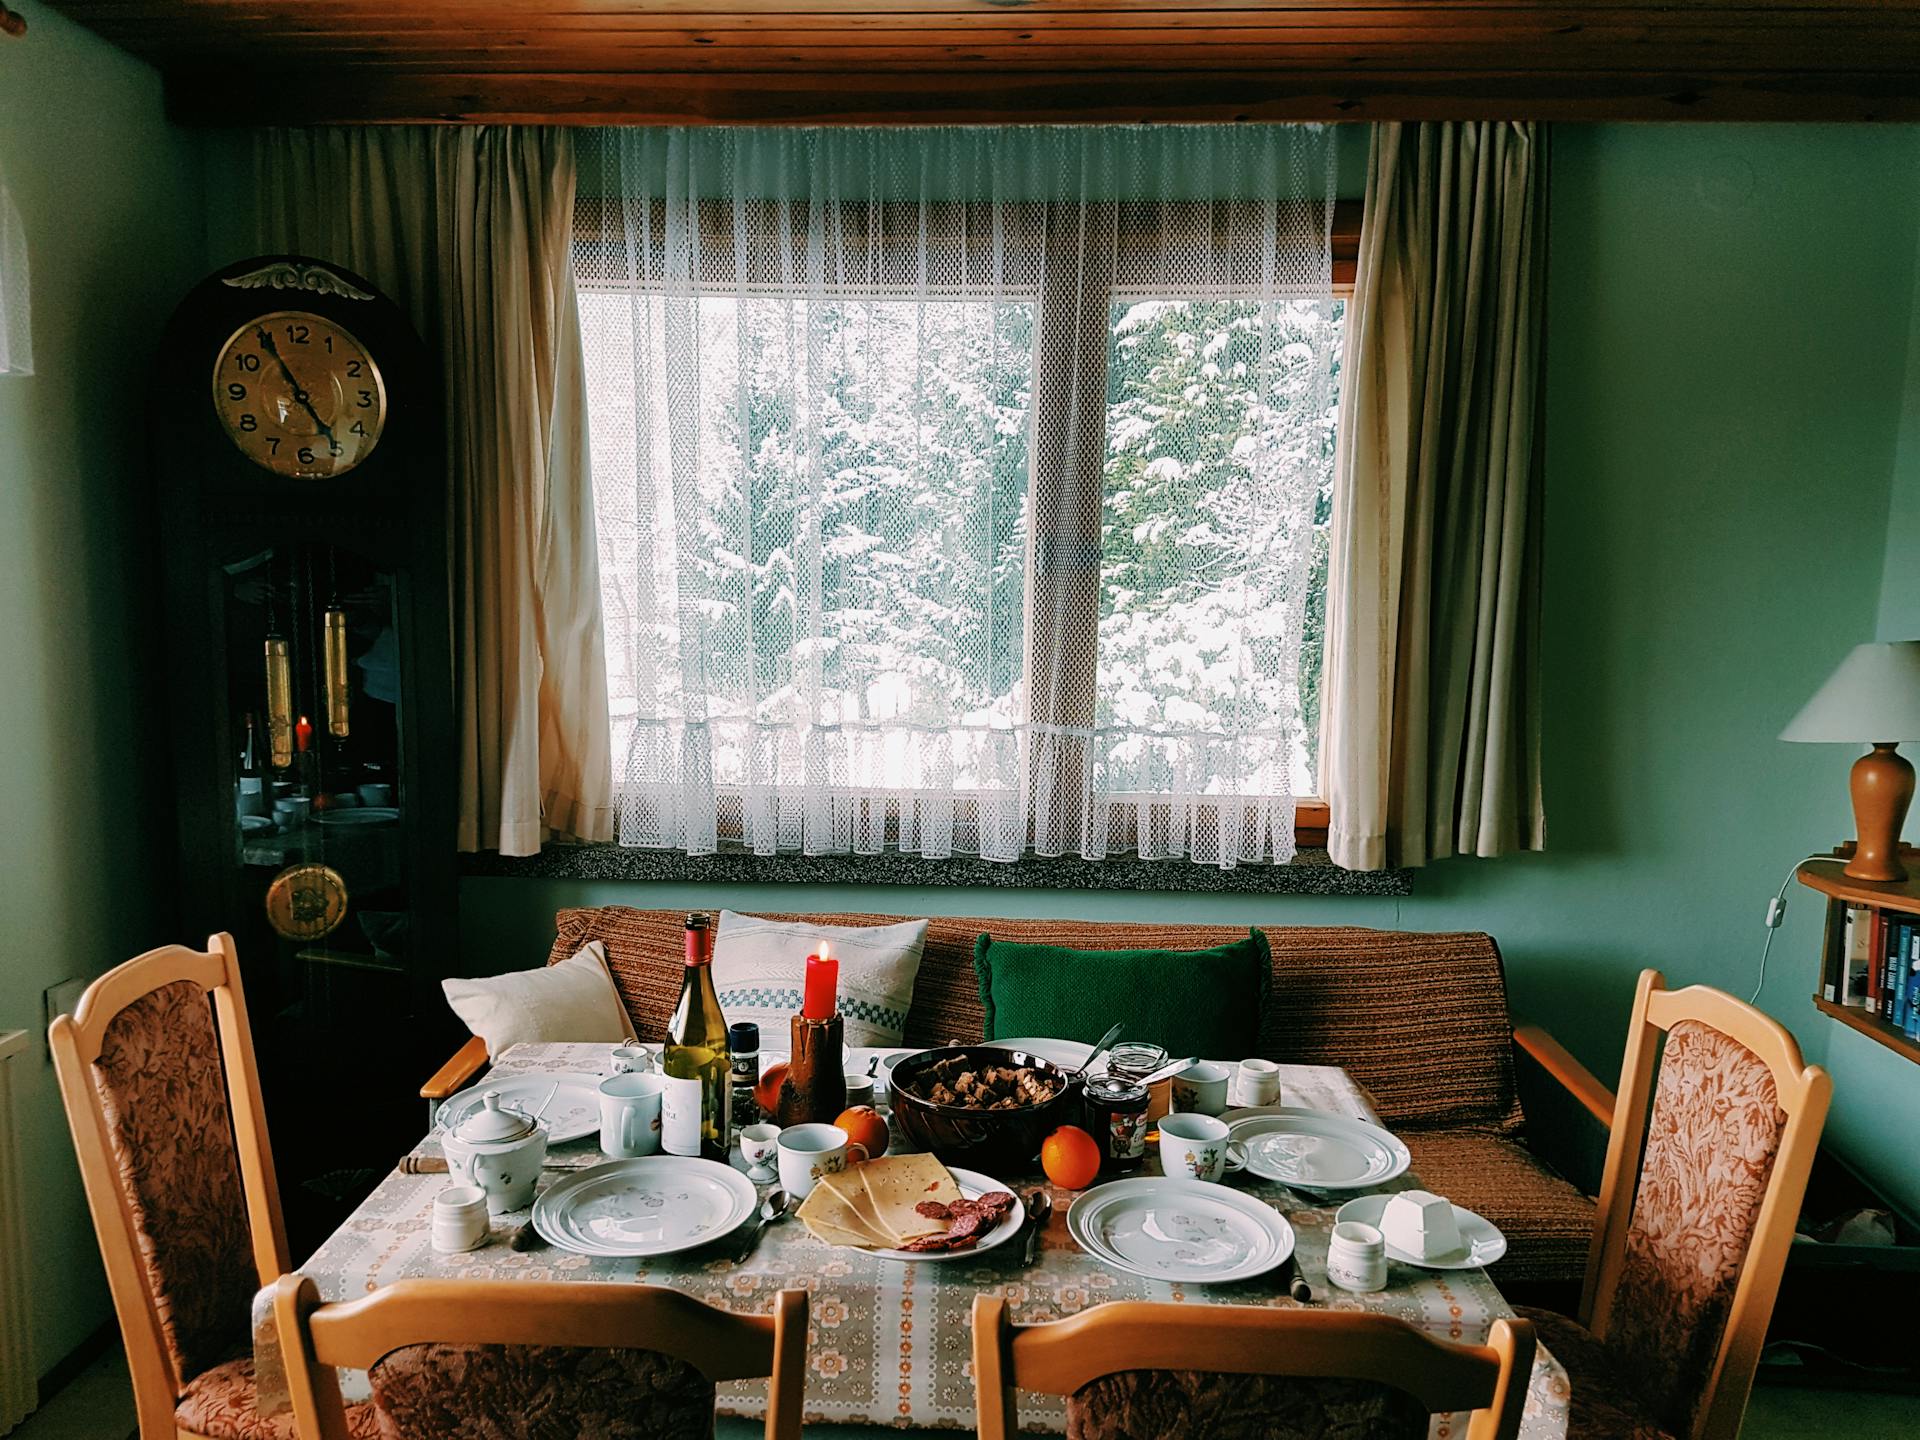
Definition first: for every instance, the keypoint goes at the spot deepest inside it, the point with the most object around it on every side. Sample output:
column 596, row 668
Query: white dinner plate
column 1315, row 1150
column 359, row 815
column 572, row 1114
column 1067, row 1054
column 1483, row 1242
column 652, row 1206
column 1185, row 1231
column 972, row 1185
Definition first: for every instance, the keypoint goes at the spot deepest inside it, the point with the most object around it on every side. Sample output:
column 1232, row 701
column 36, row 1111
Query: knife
column 1039, row 1211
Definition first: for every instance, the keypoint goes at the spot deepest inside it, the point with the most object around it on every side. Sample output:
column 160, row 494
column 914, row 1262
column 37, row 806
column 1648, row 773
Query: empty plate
column 653, row 1206
column 572, row 1114
column 1316, row 1150
column 1182, row 1231
column 1481, row 1240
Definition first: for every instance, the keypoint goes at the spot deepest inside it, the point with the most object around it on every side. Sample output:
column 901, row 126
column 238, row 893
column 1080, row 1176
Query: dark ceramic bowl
column 1001, row 1142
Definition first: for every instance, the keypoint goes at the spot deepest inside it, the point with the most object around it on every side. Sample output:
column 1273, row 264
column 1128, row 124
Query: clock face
column 299, row 395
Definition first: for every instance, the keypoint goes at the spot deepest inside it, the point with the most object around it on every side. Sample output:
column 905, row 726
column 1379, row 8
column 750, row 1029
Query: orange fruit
column 766, row 1090
column 1070, row 1157
column 865, row 1126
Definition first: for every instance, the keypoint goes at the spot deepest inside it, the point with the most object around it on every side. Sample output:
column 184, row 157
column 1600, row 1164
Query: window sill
column 1311, row 873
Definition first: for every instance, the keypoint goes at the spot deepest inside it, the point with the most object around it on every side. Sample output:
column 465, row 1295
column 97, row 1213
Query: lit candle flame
column 826, row 948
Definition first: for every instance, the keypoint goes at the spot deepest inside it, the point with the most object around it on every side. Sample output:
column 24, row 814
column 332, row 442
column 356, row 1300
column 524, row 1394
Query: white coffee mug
column 1195, row 1147
column 859, row 1089
column 1201, row 1087
column 808, row 1152
column 460, row 1219
column 630, row 1115
column 1259, row 1082
column 1357, row 1257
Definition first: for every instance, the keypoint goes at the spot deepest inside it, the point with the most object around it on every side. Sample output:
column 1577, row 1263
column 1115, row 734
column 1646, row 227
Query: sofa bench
column 1420, row 1020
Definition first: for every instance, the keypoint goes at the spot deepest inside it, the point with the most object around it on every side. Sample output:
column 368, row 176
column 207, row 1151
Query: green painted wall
column 1729, row 332
column 110, row 199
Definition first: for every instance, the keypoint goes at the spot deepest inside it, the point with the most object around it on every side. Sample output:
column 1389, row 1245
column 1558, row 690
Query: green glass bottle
column 696, row 1062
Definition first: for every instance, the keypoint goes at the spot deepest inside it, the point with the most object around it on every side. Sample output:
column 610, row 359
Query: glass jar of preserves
column 1135, row 1059
column 1117, row 1115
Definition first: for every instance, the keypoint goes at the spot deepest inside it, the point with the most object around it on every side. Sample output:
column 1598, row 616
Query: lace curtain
column 960, row 491
column 16, row 337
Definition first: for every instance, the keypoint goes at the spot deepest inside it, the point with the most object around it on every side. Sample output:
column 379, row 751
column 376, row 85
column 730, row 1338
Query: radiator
column 19, row 1390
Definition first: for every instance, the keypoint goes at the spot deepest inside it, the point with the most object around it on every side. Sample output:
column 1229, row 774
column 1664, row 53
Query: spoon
column 774, row 1208
column 1039, row 1211
column 1172, row 1067
column 1105, row 1040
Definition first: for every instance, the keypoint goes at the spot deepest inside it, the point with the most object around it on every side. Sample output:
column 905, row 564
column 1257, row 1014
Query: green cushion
column 1194, row 1002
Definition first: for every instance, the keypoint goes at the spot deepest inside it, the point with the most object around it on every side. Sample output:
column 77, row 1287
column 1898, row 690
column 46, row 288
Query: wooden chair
column 1148, row 1372
column 612, row 1360
column 163, row 1099
column 1702, row 1186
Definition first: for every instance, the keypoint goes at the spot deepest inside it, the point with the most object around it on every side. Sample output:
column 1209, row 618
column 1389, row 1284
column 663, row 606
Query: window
column 956, row 524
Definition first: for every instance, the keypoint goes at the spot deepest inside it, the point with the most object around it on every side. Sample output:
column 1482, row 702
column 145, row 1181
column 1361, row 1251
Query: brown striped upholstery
column 1419, row 1020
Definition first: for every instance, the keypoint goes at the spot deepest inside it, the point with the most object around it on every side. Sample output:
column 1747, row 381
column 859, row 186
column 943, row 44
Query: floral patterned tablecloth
column 889, row 1342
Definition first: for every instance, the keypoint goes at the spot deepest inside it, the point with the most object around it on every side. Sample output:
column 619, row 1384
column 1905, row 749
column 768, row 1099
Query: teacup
column 632, row 1059
column 759, row 1144
column 808, row 1152
column 1195, row 1147
column 630, row 1115
column 859, row 1089
column 1201, row 1088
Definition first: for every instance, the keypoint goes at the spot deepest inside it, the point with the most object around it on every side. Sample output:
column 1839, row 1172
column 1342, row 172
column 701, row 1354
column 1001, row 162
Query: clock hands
column 299, row 394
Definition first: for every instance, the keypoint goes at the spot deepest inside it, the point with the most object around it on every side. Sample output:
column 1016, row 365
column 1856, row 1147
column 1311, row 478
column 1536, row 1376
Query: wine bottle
column 698, row 1068
column 252, row 784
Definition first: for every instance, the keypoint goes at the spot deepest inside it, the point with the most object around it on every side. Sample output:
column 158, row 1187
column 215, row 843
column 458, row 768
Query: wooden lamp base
column 1882, row 786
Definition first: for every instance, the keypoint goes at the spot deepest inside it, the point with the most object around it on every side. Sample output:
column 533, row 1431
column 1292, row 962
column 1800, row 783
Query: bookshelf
column 1891, row 898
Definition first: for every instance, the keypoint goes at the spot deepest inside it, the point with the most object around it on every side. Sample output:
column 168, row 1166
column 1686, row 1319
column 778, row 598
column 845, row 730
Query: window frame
column 1062, row 576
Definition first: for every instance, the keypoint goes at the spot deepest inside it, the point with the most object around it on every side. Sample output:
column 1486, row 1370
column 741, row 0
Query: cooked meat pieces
column 956, row 1081
column 970, row 1220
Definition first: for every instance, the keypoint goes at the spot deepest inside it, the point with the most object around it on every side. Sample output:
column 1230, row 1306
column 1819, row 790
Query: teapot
column 499, row 1150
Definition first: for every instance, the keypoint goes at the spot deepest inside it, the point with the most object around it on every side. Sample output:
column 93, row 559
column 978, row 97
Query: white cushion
column 759, row 967
column 573, row 1000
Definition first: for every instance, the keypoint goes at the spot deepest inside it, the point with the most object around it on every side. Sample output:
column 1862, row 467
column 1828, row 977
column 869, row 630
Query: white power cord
column 1776, row 912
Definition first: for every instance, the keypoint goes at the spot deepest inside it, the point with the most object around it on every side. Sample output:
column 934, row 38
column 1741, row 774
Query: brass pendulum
column 279, row 702
column 336, row 675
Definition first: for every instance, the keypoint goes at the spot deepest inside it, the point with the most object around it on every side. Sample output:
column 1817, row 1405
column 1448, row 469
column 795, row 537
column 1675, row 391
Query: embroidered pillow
column 569, row 1000
column 760, row 965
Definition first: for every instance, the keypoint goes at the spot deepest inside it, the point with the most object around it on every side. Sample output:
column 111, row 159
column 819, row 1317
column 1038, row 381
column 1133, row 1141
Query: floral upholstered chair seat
column 220, row 1404
column 538, row 1392
column 1181, row 1404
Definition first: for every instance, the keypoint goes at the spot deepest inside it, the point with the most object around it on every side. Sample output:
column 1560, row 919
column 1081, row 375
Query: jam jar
column 1117, row 1116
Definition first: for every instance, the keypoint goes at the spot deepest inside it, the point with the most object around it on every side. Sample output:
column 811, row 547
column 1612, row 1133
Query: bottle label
column 680, row 1116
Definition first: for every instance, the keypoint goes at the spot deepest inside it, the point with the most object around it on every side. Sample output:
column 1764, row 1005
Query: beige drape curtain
column 470, row 229
column 1432, row 736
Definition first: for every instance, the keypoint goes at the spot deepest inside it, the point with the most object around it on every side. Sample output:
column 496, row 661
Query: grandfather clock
column 298, row 450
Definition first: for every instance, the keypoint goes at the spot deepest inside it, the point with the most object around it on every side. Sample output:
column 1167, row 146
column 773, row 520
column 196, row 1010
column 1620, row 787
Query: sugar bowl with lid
column 500, row 1150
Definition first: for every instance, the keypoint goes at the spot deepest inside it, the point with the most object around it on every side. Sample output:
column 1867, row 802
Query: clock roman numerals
column 299, row 395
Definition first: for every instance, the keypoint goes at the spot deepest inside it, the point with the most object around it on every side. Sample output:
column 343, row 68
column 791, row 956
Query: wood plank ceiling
column 246, row 62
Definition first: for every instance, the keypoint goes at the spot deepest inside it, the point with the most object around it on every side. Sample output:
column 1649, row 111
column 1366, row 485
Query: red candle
column 823, row 985
column 302, row 734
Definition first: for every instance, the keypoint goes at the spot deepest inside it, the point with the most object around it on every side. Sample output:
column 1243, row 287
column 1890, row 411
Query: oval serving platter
column 1315, row 1150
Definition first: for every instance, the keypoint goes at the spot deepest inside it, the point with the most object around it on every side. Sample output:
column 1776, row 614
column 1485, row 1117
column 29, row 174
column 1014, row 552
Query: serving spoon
column 1105, row 1040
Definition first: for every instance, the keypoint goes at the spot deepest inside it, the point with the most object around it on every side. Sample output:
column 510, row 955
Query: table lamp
column 1872, row 699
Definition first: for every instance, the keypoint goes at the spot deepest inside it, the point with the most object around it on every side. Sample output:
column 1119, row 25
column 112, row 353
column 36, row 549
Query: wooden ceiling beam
column 948, row 97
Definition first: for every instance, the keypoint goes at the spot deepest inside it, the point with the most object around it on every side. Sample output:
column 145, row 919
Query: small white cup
column 759, row 1144
column 1195, row 1147
column 1201, row 1088
column 859, row 1090
column 632, row 1060
column 808, row 1152
column 460, row 1219
column 1357, row 1257
column 630, row 1115
column 1259, row 1082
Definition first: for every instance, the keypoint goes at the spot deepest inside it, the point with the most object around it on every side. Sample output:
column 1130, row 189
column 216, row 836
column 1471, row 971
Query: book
column 1853, row 970
column 1876, row 948
column 1894, row 969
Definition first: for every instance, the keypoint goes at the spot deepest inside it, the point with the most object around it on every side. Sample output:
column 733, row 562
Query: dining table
column 889, row 1340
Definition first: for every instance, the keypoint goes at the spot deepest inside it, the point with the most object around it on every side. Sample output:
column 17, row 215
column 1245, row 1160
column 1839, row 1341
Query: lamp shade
column 1873, row 696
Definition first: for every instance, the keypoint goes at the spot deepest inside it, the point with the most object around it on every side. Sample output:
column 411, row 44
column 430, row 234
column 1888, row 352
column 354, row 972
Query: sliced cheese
column 852, row 1191
column 829, row 1216
column 895, row 1184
